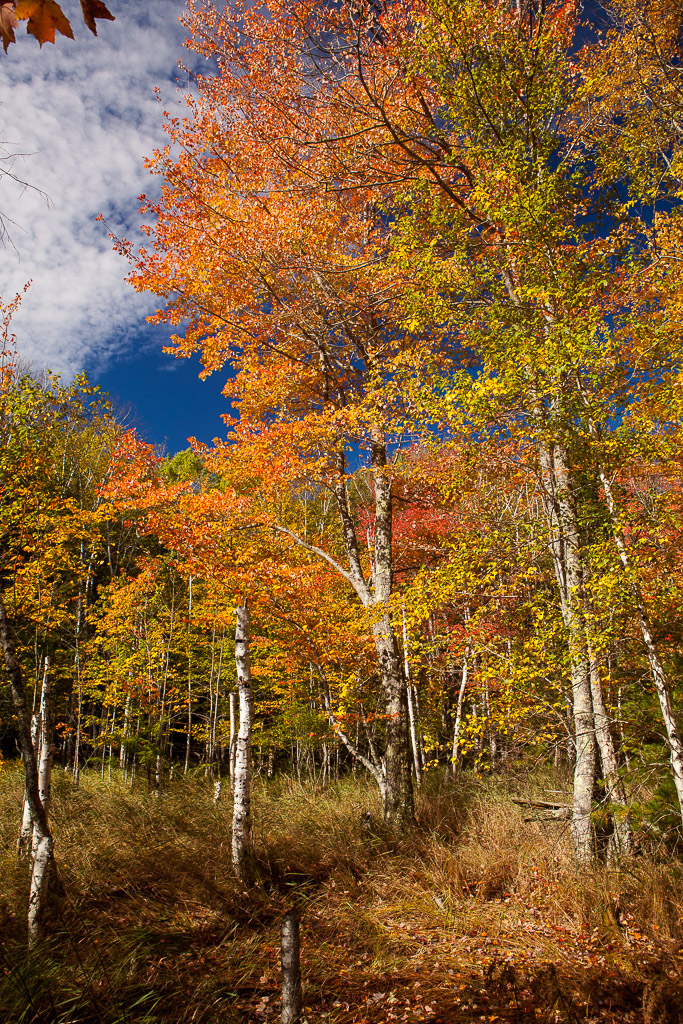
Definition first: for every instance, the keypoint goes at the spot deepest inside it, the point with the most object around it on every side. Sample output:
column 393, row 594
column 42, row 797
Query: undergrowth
column 476, row 914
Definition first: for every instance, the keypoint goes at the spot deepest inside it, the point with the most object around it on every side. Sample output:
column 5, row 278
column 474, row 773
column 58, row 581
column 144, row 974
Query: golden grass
column 473, row 914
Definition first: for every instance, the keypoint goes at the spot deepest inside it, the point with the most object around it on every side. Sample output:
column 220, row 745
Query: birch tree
column 42, row 841
column 241, row 817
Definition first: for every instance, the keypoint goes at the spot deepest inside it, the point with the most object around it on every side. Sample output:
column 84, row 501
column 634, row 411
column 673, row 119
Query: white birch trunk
column 188, row 738
column 42, row 858
column 124, row 733
column 42, row 839
column 44, row 753
column 411, row 708
column 455, row 752
column 292, row 997
column 493, row 738
column 158, row 776
column 375, row 596
column 233, row 737
column 565, row 550
column 26, row 833
column 608, row 757
column 241, row 817
column 656, row 667
column 77, row 746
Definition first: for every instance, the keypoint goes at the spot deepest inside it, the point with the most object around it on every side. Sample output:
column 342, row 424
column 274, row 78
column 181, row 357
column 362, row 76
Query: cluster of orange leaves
column 45, row 18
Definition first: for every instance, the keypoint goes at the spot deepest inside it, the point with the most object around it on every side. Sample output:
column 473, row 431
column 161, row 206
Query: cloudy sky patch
column 84, row 115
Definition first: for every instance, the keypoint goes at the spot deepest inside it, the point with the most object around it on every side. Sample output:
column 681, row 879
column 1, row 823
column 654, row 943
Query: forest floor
column 476, row 915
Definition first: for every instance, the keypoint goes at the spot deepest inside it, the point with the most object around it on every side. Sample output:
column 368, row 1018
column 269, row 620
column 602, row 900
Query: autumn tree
column 289, row 293
column 368, row 181
column 53, row 448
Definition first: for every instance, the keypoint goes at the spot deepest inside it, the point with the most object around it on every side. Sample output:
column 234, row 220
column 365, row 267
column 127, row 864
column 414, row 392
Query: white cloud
column 84, row 115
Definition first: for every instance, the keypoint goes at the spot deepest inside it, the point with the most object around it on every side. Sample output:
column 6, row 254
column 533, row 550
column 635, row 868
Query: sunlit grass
column 147, row 923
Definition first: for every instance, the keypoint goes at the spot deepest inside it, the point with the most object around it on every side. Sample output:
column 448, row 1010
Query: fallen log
column 550, row 814
column 551, row 804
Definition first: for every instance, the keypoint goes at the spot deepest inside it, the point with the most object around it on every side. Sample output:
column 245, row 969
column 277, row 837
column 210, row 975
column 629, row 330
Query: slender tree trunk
column 411, row 709
column 398, row 786
column 215, row 753
column 292, row 998
column 375, row 596
column 398, row 802
column 493, row 737
column 657, row 669
column 104, row 744
column 188, row 741
column 398, row 797
column 413, row 722
column 241, row 818
column 26, row 833
column 608, row 758
column 455, row 752
column 124, row 733
column 45, row 744
column 158, row 775
column 42, row 844
column 77, row 743
column 188, row 737
column 42, row 838
column 620, row 723
column 233, row 737
column 374, row 766
column 565, row 549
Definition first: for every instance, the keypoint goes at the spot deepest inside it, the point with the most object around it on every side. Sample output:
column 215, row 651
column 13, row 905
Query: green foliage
column 183, row 467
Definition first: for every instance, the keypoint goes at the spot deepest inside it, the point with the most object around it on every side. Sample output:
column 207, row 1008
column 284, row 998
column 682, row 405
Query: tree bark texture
column 232, row 750
column 565, row 550
column 621, row 840
column 42, row 838
column 399, row 805
column 455, row 752
column 292, row 997
column 411, row 708
column 398, row 794
column 375, row 596
column 26, row 833
column 241, row 817
column 44, row 752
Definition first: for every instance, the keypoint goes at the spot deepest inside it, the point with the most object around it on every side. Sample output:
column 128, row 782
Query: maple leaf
column 8, row 19
column 45, row 17
column 95, row 9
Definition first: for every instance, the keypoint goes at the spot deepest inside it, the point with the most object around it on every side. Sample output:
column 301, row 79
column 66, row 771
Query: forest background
column 436, row 249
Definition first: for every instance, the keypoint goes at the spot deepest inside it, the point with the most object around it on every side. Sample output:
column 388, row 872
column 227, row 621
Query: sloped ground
column 474, row 916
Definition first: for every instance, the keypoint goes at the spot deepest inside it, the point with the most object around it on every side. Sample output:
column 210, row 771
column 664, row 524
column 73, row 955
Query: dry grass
column 474, row 914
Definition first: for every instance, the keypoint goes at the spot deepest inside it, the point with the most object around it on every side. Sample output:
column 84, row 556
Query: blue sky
column 78, row 119
column 163, row 397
